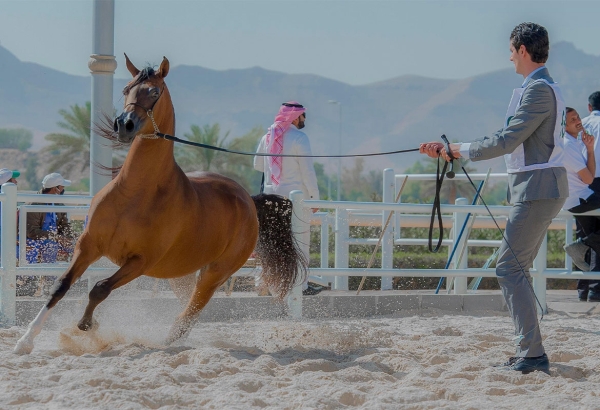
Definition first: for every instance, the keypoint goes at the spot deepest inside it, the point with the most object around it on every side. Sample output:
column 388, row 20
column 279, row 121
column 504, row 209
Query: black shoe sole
column 536, row 370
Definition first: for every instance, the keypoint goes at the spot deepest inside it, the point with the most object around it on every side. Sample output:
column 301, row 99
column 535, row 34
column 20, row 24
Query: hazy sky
column 357, row 42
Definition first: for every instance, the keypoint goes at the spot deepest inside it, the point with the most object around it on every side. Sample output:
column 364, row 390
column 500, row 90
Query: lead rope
column 439, row 179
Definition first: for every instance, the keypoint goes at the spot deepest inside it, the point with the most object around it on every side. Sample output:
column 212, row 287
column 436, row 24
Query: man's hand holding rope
column 436, row 149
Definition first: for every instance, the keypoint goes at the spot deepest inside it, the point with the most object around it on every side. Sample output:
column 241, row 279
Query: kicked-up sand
column 413, row 362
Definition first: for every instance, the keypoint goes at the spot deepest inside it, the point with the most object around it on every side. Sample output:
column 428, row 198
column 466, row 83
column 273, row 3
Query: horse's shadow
column 571, row 372
column 305, row 359
column 315, row 359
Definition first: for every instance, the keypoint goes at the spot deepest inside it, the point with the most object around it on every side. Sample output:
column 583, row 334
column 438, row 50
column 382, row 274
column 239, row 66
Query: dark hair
column 535, row 39
column 594, row 101
column 46, row 190
column 569, row 109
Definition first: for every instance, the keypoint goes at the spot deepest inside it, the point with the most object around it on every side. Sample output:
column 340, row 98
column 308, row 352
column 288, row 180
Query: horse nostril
column 116, row 125
column 129, row 126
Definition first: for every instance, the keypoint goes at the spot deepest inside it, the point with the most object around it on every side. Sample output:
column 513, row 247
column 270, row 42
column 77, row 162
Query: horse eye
column 154, row 92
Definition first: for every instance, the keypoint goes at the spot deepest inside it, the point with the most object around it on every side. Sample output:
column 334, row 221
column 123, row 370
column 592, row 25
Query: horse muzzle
column 126, row 127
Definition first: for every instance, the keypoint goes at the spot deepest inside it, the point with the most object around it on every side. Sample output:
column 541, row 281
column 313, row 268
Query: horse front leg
column 131, row 269
column 81, row 261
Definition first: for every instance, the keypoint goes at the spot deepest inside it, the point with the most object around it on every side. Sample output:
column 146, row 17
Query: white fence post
column 342, row 232
column 460, row 283
column 540, row 264
column 294, row 299
column 396, row 219
column 324, row 216
column 8, row 254
column 568, row 239
column 387, row 241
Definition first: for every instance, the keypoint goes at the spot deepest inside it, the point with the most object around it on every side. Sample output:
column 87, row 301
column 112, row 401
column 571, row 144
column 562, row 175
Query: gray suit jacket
column 533, row 126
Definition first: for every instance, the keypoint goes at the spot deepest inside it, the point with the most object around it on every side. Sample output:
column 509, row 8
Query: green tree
column 424, row 191
column 322, row 181
column 241, row 167
column 200, row 159
column 31, row 174
column 71, row 148
column 16, row 138
column 237, row 167
column 358, row 186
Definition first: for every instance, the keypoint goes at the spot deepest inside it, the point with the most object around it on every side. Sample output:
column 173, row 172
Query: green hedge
column 407, row 260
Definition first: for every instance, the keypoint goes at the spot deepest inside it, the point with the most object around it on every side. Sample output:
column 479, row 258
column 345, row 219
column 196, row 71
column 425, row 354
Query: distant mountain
column 389, row 115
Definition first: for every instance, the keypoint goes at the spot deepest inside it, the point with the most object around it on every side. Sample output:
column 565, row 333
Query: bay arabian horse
column 154, row 220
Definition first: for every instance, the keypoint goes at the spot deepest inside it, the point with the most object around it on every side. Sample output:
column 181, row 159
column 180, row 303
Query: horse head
column 145, row 95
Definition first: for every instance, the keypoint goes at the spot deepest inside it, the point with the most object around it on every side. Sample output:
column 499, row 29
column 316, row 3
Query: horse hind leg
column 131, row 269
column 81, row 261
column 183, row 287
column 209, row 280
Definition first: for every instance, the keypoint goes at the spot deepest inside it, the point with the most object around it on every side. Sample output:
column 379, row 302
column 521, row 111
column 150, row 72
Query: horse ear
column 163, row 70
column 132, row 69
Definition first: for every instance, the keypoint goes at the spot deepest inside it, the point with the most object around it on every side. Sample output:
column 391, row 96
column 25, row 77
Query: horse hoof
column 24, row 346
column 87, row 324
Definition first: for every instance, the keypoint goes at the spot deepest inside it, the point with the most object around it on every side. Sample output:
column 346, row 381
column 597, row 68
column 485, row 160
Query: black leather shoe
column 510, row 362
column 312, row 290
column 527, row 365
column 577, row 251
column 593, row 297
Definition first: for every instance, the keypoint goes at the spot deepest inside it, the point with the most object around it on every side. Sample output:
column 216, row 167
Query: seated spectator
column 580, row 163
column 7, row 175
column 25, row 284
column 48, row 233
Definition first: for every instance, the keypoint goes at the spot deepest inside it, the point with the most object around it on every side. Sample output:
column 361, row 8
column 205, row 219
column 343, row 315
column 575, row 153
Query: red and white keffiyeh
column 288, row 112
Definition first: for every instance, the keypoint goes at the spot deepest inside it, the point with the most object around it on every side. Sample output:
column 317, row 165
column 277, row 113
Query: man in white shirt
column 591, row 123
column 285, row 174
column 580, row 162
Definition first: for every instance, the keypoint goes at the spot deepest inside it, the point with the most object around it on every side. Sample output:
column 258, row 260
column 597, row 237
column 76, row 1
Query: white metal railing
column 418, row 215
column 13, row 265
column 345, row 214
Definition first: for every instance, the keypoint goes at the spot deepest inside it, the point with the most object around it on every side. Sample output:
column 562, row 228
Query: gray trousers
column 525, row 231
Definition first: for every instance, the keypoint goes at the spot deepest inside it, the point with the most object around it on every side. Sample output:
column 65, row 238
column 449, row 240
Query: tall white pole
column 339, row 181
column 339, row 162
column 102, row 65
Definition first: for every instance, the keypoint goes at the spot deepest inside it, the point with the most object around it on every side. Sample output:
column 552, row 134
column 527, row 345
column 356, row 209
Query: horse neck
column 151, row 158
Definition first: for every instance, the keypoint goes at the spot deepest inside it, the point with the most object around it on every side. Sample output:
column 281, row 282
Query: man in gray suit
column 532, row 144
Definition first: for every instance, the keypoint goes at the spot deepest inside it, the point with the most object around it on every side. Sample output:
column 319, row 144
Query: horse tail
column 284, row 265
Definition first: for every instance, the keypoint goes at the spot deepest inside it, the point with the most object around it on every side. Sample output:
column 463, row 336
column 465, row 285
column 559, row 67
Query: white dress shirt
column 592, row 125
column 575, row 160
column 296, row 173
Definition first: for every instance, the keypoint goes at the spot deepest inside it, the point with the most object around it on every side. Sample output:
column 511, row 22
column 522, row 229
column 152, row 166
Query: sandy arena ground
column 411, row 362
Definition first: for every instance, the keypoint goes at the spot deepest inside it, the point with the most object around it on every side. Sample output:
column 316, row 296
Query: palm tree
column 241, row 167
column 237, row 167
column 71, row 148
column 200, row 159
